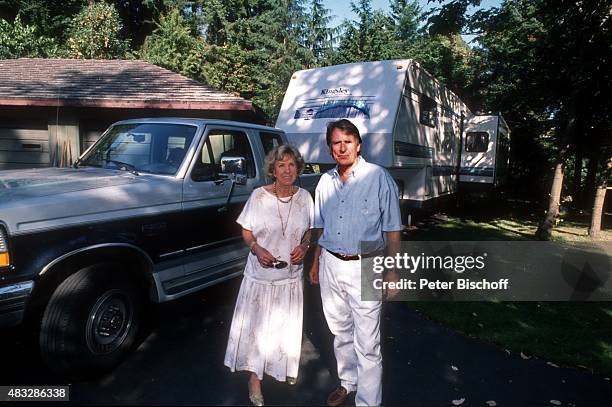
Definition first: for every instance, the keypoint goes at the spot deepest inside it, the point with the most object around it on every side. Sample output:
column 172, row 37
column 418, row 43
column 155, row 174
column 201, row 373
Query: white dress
column 266, row 331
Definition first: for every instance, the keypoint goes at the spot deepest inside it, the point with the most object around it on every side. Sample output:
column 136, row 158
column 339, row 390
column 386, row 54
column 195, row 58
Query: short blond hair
column 279, row 153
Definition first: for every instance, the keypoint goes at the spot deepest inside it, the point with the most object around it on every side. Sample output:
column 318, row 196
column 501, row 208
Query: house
column 51, row 110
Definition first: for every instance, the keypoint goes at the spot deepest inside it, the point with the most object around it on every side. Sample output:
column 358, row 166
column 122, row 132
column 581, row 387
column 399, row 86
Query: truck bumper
column 13, row 299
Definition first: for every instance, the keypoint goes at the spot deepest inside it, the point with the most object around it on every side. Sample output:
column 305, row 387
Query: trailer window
column 476, row 142
column 429, row 113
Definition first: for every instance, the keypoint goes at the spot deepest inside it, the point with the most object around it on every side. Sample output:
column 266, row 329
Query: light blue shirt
column 361, row 209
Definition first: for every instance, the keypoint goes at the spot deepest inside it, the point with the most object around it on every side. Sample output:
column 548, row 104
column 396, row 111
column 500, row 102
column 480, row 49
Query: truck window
column 149, row 147
column 270, row 141
column 222, row 143
column 477, row 141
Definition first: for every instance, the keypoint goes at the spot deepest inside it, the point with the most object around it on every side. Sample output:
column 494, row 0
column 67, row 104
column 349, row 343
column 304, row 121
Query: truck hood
column 40, row 182
column 57, row 197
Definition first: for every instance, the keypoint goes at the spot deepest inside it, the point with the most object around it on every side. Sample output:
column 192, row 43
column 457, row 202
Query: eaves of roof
column 130, row 104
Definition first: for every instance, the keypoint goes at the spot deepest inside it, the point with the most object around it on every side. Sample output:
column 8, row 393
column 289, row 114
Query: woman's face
column 285, row 171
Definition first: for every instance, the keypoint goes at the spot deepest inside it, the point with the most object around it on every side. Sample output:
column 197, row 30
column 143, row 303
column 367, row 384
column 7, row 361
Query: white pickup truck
column 146, row 214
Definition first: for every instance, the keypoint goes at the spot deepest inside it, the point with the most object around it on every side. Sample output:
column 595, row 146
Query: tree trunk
column 577, row 180
column 600, row 197
column 545, row 227
column 544, row 231
column 590, row 182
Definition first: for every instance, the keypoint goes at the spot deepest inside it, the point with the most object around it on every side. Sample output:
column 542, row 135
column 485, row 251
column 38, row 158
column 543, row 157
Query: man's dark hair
column 344, row 125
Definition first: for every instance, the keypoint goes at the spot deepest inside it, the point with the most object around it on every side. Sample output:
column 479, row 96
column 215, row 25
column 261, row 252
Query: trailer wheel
column 90, row 322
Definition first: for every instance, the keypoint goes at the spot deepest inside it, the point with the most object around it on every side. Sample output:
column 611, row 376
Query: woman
column 266, row 331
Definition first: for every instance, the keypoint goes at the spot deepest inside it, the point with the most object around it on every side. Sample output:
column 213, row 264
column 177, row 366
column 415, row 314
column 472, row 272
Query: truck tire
column 90, row 322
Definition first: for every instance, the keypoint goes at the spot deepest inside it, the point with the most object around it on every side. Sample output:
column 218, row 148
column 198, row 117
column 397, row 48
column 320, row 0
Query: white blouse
column 262, row 215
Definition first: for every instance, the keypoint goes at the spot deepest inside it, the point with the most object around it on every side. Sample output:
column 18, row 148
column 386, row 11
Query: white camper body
column 409, row 122
column 485, row 156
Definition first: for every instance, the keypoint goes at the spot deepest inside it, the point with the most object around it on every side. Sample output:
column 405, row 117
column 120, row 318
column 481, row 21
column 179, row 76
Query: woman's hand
column 264, row 257
column 297, row 255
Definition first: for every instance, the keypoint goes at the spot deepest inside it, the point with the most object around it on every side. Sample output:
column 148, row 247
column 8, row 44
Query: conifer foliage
column 543, row 63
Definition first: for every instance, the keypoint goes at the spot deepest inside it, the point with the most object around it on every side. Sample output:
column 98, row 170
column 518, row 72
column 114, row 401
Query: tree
column 51, row 18
column 319, row 37
column 450, row 18
column 95, row 33
column 18, row 40
column 371, row 38
column 406, row 16
column 447, row 58
column 172, row 46
column 600, row 196
column 139, row 17
column 573, row 65
column 215, row 22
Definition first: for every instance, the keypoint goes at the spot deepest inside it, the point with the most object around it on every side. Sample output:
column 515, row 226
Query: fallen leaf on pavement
column 525, row 356
column 458, row 402
column 455, row 368
column 551, row 364
column 491, row 403
column 555, row 402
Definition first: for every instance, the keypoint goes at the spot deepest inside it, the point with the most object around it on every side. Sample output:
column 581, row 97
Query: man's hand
column 393, row 247
column 390, row 293
column 313, row 274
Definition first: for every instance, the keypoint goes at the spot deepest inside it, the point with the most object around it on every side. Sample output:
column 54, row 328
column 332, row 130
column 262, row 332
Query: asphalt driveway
column 180, row 362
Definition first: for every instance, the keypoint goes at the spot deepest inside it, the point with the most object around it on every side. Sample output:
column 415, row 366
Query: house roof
column 106, row 83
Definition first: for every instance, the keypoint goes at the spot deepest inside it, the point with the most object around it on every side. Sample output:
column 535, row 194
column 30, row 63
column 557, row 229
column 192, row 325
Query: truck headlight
column 4, row 254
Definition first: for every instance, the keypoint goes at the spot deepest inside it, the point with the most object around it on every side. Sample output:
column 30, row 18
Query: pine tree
column 173, row 46
column 319, row 36
column 371, row 38
column 406, row 17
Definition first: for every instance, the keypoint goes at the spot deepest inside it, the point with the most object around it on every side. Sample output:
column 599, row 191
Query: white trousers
column 356, row 328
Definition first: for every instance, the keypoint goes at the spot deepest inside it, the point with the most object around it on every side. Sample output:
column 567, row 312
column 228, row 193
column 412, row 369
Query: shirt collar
column 360, row 163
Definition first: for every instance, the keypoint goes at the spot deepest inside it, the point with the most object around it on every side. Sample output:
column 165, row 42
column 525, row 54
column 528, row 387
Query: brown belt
column 347, row 257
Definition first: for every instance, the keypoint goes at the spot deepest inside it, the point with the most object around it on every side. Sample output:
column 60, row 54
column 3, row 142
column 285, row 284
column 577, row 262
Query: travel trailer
column 410, row 123
column 484, row 160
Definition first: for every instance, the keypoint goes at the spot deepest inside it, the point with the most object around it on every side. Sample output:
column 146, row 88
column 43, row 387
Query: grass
column 565, row 334
column 512, row 220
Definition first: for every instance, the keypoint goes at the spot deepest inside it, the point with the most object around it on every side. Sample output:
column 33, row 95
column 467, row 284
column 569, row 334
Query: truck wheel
column 90, row 322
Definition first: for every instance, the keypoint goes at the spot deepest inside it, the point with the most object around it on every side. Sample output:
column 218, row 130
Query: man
column 354, row 202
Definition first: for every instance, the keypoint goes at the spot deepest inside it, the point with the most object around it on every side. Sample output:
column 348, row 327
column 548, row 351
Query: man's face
column 344, row 147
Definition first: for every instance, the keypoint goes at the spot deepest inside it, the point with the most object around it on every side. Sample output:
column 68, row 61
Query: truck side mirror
column 233, row 165
column 234, row 168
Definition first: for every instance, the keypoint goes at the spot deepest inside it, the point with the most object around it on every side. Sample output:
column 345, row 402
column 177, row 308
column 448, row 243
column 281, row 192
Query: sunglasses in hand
column 279, row 264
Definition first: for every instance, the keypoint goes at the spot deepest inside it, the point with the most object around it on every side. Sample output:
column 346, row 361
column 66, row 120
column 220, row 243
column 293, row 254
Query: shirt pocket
column 368, row 206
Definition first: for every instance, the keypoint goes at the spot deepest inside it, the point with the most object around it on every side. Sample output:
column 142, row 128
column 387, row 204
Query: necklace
column 281, row 199
column 283, row 223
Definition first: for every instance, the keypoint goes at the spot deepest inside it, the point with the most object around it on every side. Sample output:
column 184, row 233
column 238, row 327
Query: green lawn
column 565, row 334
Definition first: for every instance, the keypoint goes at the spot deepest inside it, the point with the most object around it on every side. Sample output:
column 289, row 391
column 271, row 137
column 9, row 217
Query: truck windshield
column 156, row 148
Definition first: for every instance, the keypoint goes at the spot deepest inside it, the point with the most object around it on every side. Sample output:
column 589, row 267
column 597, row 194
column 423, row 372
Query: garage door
column 24, row 145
